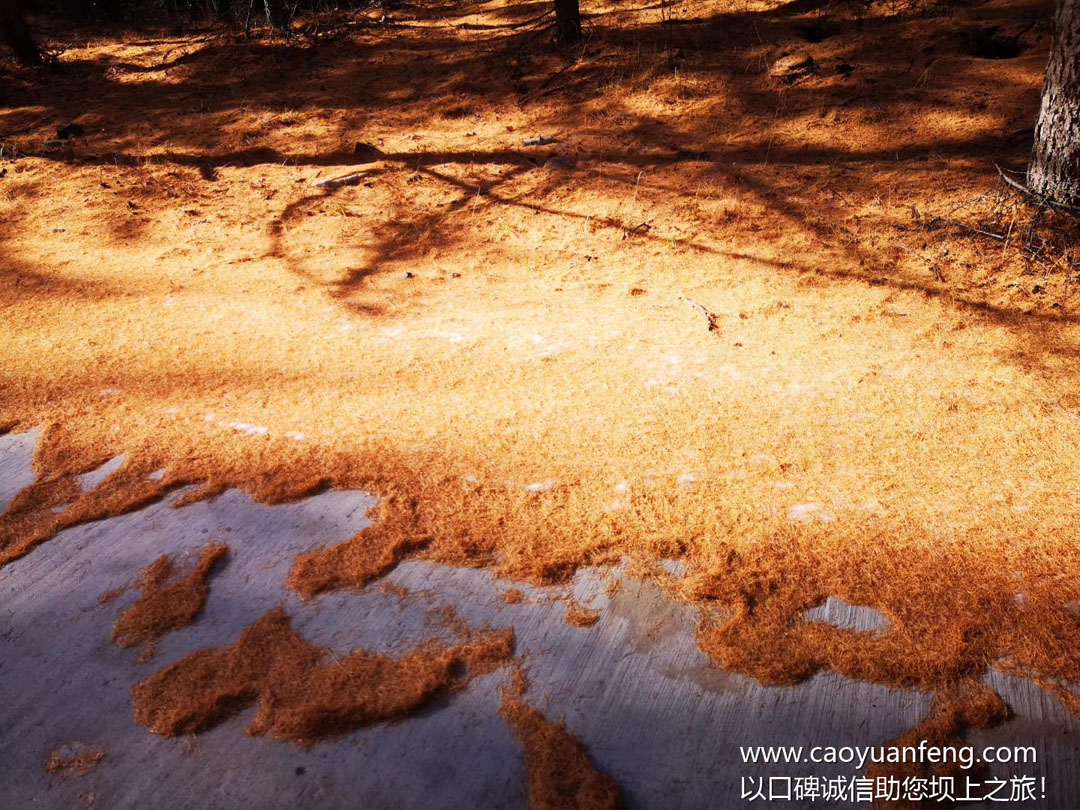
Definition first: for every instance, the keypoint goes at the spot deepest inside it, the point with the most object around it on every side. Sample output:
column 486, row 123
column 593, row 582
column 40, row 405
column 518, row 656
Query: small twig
column 714, row 323
column 337, row 182
column 1038, row 199
column 965, row 227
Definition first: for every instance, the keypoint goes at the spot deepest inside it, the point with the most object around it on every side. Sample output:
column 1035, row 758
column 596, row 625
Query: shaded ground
column 735, row 325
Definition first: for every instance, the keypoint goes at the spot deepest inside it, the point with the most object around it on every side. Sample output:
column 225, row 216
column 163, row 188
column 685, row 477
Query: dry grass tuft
column 580, row 616
column 169, row 599
column 305, row 693
column 558, row 772
column 74, row 759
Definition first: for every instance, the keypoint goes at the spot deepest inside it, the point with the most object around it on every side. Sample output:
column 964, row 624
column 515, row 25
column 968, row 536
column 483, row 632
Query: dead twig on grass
column 714, row 322
column 1036, row 199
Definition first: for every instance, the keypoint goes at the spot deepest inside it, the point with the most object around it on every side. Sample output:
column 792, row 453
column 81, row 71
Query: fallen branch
column 338, row 182
column 1038, row 199
column 958, row 224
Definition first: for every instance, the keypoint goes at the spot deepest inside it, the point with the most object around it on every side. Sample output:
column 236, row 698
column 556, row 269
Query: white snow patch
column 540, row 486
column 295, row 435
column 686, row 479
column 806, row 512
column 156, row 475
column 622, row 486
column 90, row 480
column 840, row 614
column 676, row 568
column 249, row 430
column 16, row 465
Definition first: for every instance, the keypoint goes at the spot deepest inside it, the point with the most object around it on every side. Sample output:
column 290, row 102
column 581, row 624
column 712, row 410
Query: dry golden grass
column 506, row 353
column 558, row 772
column 305, row 694
column 169, row 599
column 74, row 759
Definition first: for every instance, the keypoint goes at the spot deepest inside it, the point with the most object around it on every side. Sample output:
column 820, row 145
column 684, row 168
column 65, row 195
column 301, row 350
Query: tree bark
column 277, row 13
column 567, row 22
column 1054, row 172
column 17, row 35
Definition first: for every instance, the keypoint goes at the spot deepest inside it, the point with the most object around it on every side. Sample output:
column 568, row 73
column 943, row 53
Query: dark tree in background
column 14, row 31
column 567, row 22
column 277, row 12
column 1054, row 172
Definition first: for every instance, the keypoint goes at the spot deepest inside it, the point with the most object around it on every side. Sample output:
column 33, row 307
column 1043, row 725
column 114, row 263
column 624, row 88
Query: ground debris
column 74, row 759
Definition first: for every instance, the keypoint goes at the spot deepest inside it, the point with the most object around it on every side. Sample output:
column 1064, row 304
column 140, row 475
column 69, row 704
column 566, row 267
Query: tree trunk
column 1054, row 172
column 17, row 35
column 567, row 22
column 277, row 13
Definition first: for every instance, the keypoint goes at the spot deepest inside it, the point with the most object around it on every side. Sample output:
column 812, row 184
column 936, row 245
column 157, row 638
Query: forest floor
column 763, row 307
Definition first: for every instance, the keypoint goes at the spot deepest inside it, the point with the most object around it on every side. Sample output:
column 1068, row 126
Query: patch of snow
column 90, row 480
column 540, row 486
column 295, row 435
column 16, row 465
column 806, row 512
column 687, row 478
column 676, row 568
column 156, row 475
column 249, row 430
column 622, row 486
column 840, row 614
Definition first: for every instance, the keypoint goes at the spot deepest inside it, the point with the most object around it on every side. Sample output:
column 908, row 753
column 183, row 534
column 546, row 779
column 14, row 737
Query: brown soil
column 304, row 692
column 74, row 759
column 169, row 599
column 558, row 772
column 747, row 292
